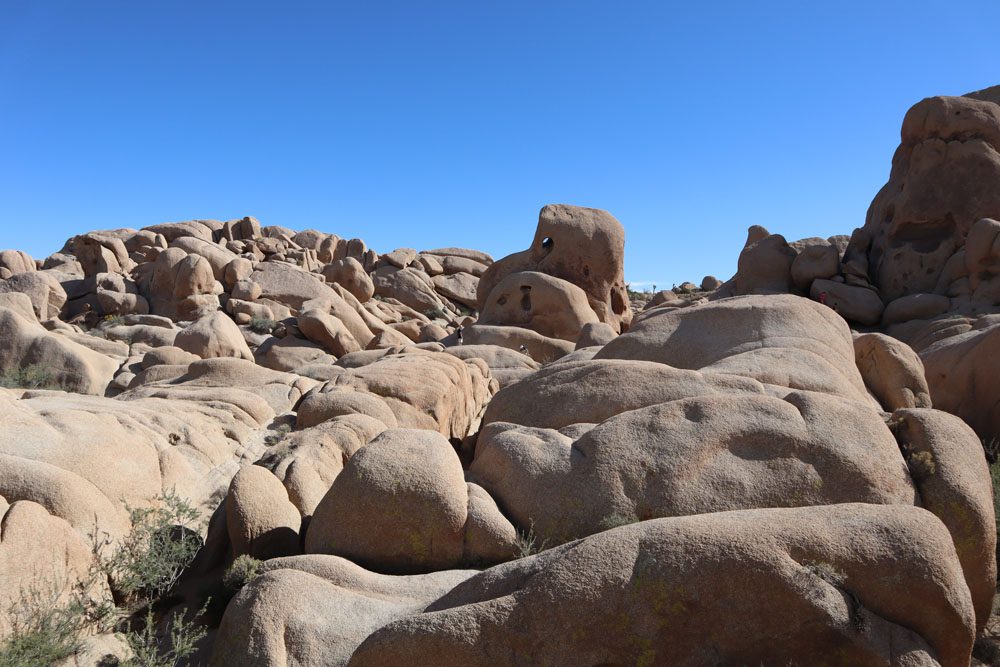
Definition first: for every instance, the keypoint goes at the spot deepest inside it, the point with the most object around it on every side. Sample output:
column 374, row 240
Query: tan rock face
column 583, row 246
column 261, row 521
column 963, row 374
column 949, row 469
column 781, row 340
column 401, row 506
column 551, row 306
column 691, row 456
column 764, row 266
column 40, row 554
column 214, row 335
column 772, row 466
column 944, row 178
column 892, row 371
column 309, row 460
column 429, row 390
column 806, row 583
column 349, row 273
column 292, row 613
column 770, row 410
column 67, row 364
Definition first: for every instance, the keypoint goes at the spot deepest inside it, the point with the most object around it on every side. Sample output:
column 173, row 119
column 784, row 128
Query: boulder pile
column 435, row 458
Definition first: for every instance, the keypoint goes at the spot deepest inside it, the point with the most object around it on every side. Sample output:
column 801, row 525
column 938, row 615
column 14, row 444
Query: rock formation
column 428, row 457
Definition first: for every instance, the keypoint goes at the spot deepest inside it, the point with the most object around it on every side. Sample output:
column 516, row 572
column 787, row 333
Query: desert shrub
column 828, row 572
column 43, row 631
column 142, row 569
column 113, row 320
column 528, row 543
column 262, row 325
column 436, row 313
column 34, row 376
column 276, row 436
column 147, row 649
column 616, row 520
column 243, row 570
column 921, row 464
column 151, row 558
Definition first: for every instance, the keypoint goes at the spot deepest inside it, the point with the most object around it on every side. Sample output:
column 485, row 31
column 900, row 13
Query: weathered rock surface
column 401, row 506
column 551, row 306
column 583, row 246
column 806, row 583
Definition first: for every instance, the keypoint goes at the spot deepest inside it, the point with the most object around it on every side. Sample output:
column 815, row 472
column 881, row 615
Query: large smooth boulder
column 317, row 609
column 542, row 349
column 42, row 560
column 892, row 371
column 402, row 506
column 46, row 294
column 28, row 346
column 425, row 389
column 214, row 335
column 260, row 519
column 308, row 461
column 963, row 375
column 551, row 306
column 409, row 286
column 868, row 584
column 781, row 340
column 289, row 285
column 951, row 475
column 852, row 302
column 349, row 273
column 324, row 329
column 691, row 456
column 764, row 265
column 583, row 246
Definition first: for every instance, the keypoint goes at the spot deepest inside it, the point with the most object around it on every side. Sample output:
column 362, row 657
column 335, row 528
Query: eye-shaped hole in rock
column 525, row 298
column 548, row 243
column 502, row 300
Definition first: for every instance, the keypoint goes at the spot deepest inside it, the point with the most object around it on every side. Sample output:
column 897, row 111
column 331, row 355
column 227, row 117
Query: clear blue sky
column 452, row 123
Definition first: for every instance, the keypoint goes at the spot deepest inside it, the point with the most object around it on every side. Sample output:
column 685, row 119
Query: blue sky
column 452, row 123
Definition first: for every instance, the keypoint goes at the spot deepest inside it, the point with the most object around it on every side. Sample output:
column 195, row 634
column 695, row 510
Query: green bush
column 148, row 650
column 276, row 436
column 243, row 570
column 146, row 564
column 34, row 376
column 436, row 313
column 42, row 631
column 151, row 558
column 113, row 320
column 262, row 325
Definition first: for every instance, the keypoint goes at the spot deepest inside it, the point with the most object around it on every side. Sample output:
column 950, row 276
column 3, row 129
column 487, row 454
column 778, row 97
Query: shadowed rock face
column 945, row 176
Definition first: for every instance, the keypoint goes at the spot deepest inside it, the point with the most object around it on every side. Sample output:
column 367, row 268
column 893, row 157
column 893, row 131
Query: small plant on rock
column 141, row 569
column 262, row 325
column 243, row 570
column 273, row 438
column 616, row 521
column 113, row 320
column 151, row 558
column 34, row 376
column 43, row 632
column 436, row 313
column 528, row 543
